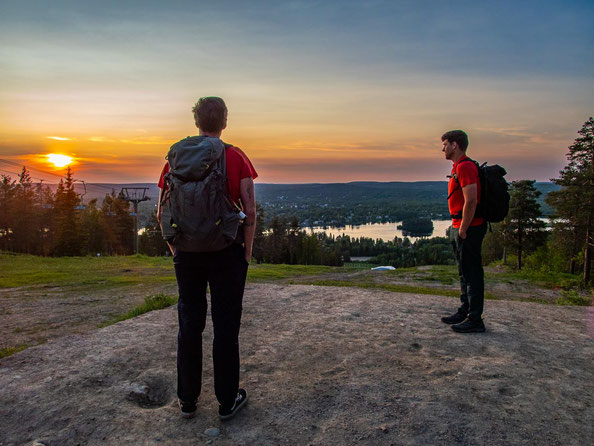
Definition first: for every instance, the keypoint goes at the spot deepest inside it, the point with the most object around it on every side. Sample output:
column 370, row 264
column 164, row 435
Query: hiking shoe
column 469, row 326
column 188, row 408
column 228, row 413
column 455, row 318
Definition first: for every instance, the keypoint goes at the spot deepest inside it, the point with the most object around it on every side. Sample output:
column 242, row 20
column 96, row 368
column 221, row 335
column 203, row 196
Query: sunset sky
column 317, row 91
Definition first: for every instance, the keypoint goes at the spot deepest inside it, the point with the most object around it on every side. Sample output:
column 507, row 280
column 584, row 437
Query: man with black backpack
column 207, row 212
column 467, row 232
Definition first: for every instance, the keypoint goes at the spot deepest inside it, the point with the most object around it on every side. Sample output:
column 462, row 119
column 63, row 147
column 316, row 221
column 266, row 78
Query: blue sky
column 317, row 91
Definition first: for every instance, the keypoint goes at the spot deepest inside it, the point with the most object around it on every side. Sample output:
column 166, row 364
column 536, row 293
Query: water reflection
column 384, row 231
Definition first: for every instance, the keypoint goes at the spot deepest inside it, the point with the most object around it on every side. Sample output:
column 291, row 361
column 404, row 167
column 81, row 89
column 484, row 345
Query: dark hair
column 458, row 136
column 210, row 114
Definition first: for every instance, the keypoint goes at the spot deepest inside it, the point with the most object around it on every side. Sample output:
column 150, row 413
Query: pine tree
column 523, row 224
column 7, row 198
column 151, row 241
column 118, row 225
column 574, row 203
column 68, row 240
column 25, row 215
column 44, row 199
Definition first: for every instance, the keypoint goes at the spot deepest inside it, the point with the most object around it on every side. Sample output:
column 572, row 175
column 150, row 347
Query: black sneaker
column 240, row 400
column 469, row 326
column 455, row 318
column 188, row 408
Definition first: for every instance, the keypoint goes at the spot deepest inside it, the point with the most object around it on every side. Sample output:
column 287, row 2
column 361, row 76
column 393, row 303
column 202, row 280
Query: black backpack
column 494, row 204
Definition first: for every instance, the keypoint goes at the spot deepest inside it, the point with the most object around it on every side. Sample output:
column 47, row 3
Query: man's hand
column 462, row 233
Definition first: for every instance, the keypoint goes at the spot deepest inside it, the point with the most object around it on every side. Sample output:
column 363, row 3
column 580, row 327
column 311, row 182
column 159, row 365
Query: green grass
column 267, row 272
column 572, row 297
column 7, row 351
column 98, row 273
column 550, row 280
column 154, row 302
column 18, row 270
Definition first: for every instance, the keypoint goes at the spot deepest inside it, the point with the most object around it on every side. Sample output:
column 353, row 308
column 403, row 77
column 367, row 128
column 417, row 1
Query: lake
column 384, row 231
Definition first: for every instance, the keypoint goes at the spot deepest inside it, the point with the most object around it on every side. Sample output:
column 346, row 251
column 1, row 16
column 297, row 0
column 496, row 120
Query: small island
column 416, row 227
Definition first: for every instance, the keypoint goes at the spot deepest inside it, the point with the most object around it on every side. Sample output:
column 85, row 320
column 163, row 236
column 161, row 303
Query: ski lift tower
column 135, row 195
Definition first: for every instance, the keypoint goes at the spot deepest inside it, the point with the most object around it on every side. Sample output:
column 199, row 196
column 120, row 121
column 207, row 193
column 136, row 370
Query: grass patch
column 572, row 297
column 154, row 302
column 397, row 288
column 266, row 272
column 550, row 280
column 21, row 270
column 7, row 351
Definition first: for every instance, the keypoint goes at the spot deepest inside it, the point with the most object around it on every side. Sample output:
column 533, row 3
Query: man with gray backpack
column 207, row 213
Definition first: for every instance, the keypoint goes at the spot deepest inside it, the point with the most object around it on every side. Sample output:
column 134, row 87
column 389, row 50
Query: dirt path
column 323, row 366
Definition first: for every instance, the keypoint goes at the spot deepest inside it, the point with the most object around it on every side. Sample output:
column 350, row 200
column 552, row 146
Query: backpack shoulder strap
column 455, row 175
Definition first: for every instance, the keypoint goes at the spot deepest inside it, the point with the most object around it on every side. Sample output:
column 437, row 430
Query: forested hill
column 362, row 202
column 336, row 203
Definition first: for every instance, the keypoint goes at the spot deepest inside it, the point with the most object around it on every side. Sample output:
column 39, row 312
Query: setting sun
column 59, row 160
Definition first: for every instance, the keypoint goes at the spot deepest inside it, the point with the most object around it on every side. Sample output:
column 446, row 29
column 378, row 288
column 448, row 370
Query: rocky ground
column 323, row 366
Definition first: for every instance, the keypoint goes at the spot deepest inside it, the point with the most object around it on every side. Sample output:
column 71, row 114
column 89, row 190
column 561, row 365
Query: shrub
column 572, row 297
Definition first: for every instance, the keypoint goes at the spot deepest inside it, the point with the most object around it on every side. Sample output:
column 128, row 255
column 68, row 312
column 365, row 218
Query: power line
column 13, row 163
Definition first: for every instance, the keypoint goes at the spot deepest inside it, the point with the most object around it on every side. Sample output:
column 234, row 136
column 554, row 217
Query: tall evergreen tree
column 68, row 240
column 151, row 242
column 574, row 203
column 25, row 215
column 118, row 225
column 522, row 222
column 7, row 198
column 46, row 227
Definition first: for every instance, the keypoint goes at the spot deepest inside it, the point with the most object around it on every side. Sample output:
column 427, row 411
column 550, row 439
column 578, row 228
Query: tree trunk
column 519, row 248
column 588, row 251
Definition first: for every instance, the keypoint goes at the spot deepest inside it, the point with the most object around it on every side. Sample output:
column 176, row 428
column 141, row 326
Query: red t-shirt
column 467, row 174
column 238, row 167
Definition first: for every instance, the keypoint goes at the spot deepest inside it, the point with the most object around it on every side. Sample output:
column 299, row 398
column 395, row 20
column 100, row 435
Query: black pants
column 225, row 271
column 470, row 269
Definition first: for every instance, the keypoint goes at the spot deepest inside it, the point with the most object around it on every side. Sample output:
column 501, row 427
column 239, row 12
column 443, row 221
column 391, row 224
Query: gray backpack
column 197, row 215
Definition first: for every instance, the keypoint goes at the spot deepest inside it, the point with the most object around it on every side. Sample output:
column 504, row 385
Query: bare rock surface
column 322, row 366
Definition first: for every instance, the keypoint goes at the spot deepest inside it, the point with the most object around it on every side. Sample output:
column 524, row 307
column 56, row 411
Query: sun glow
column 58, row 160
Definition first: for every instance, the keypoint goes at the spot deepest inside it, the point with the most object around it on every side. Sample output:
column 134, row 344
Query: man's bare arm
column 159, row 210
column 248, row 199
column 159, row 214
column 470, row 192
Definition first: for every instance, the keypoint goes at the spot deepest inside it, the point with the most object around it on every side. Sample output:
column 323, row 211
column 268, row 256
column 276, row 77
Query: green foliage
column 525, row 232
column 572, row 297
column 7, row 351
column 433, row 251
column 417, row 227
column 267, row 272
column 151, row 242
column 493, row 244
column 34, row 220
column 18, row 270
column 574, row 202
column 154, row 302
column 357, row 203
